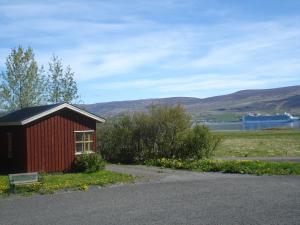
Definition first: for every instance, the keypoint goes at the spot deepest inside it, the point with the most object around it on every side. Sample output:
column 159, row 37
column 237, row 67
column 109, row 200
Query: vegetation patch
column 267, row 143
column 53, row 182
column 218, row 117
column 4, row 186
column 230, row 166
column 88, row 162
column 163, row 131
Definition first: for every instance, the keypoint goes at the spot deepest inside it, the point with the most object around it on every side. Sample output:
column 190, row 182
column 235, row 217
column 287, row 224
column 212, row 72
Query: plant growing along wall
column 88, row 163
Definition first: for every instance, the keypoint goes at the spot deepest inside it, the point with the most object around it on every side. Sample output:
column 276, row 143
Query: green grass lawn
column 53, row 182
column 268, row 143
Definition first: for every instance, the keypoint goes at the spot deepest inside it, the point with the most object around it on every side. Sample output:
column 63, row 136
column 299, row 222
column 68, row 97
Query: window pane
column 88, row 146
column 79, row 147
column 89, row 136
column 92, row 146
column 79, row 136
column 84, row 141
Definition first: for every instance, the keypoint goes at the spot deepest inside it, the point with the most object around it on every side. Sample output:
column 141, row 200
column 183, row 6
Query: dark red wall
column 51, row 140
column 18, row 162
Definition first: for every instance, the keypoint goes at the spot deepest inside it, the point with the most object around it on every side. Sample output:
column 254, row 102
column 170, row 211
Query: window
column 9, row 146
column 84, row 141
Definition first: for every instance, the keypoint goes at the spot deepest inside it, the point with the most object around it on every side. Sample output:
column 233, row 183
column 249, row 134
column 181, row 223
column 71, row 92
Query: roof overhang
column 52, row 110
column 10, row 124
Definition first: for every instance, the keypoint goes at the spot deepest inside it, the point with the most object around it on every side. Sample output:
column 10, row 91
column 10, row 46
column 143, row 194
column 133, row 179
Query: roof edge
column 52, row 110
column 10, row 124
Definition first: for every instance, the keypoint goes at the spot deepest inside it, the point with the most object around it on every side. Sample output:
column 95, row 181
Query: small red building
column 46, row 138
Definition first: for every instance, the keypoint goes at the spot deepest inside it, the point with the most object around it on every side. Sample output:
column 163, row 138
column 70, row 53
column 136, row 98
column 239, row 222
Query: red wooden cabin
column 46, row 138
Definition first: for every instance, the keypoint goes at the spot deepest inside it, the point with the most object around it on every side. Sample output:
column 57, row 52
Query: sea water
column 235, row 126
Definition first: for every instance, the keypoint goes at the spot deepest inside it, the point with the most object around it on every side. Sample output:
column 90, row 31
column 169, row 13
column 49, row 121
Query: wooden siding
column 18, row 161
column 51, row 140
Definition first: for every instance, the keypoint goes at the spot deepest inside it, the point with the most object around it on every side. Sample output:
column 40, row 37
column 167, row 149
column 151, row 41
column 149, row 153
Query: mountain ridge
column 273, row 100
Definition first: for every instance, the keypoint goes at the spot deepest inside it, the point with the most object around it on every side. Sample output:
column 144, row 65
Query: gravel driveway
column 163, row 197
column 150, row 174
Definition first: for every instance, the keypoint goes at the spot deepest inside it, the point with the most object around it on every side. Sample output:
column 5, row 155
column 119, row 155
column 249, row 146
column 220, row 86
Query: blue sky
column 133, row 49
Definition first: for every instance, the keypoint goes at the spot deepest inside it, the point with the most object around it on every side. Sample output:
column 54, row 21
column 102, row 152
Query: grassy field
column 223, row 117
column 53, row 182
column 267, row 143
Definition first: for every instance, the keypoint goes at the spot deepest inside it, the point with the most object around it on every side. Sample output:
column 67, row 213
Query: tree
column 55, row 77
column 69, row 86
column 61, row 84
column 22, row 82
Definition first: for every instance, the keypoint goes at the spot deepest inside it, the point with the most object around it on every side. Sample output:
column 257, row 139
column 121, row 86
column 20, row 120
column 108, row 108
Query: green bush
column 162, row 132
column 88, row 163
column 170, row 163
column 197, row 143
column 116, row 140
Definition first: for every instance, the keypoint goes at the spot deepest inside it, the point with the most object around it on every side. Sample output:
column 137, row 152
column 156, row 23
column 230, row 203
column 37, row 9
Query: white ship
column 278, row 118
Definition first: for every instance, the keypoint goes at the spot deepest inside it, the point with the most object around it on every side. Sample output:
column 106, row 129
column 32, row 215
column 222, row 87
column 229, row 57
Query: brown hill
column 276, row 100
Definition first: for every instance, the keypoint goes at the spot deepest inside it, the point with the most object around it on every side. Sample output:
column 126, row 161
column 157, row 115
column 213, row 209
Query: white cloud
column 95, row 60
column 260, row 42
column 185, row 84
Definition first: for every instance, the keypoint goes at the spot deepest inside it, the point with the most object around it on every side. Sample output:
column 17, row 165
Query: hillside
column 224, row 107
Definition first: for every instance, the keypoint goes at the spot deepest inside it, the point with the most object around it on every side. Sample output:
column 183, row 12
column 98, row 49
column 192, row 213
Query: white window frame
column 83, row 142
column 9, row 145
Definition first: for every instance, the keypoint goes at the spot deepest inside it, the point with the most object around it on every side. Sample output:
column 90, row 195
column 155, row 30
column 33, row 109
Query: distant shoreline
column 240, row 126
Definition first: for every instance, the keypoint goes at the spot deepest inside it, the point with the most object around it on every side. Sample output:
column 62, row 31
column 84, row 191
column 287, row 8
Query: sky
column 137, row 49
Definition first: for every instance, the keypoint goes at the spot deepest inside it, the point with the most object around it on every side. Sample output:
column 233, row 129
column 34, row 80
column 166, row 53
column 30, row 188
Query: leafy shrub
column 162, row 132
column 142, row 136
column 170, row 163
column 116, row 140
column 88, row 163
column 197, row 143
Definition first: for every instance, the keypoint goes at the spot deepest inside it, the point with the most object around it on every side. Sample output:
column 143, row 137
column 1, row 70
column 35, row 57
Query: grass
column 232, row 166
column 54, row 182
column 266, row 143
column 223, row 117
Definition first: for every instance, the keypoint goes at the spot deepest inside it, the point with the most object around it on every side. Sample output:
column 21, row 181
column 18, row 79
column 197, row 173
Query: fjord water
column 232, row 126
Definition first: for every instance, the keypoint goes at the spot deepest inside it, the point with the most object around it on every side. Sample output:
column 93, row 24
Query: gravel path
column 150, row 174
